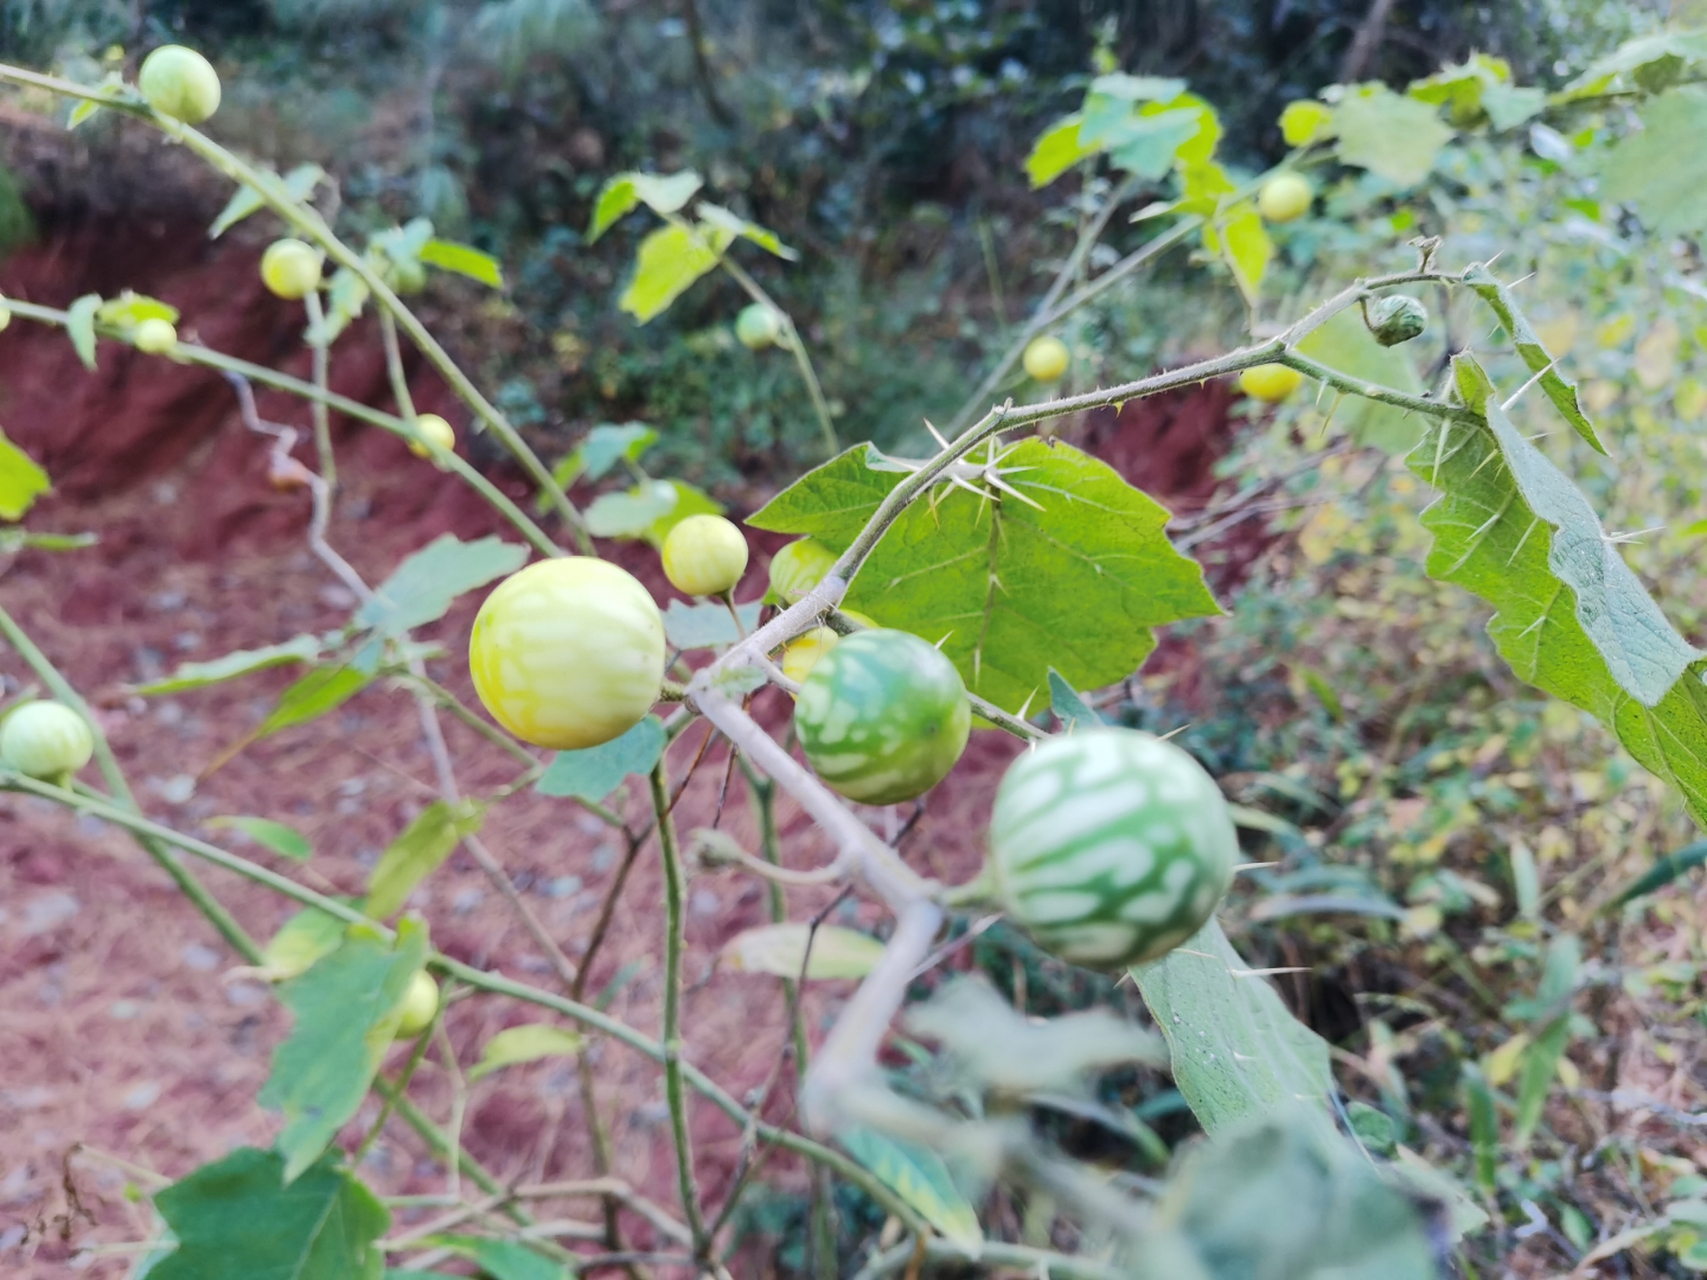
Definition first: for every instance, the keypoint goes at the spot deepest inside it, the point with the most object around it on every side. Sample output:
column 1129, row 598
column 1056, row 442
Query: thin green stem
column 322, row 356
column 222, row 920
column 796, row 348
column 388, row 1104
column 439, row 1143
column 819, row 1224
column 190, row 353
column 394, row 368
column 674, row 893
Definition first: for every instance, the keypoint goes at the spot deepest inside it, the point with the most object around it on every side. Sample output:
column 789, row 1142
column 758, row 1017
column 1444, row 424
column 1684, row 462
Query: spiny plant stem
column 674, row 892
column 224, row 923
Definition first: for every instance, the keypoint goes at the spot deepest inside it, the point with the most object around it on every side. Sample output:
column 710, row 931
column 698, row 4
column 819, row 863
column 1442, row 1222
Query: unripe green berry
column 704, row 555
column 1046, row 358
column 179, row 83
column 45, row 740
column 155, row 337
column 291, row 269
column 1284, row 197
column 758, row 326
column 437, row 432
column 420, row 1005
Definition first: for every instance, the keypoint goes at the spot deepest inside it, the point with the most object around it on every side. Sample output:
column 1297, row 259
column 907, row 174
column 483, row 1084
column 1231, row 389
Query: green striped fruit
column 1110, row 847
column 883, row 716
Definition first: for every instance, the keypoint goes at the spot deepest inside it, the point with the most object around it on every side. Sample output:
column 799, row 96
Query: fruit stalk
column 674, row 1095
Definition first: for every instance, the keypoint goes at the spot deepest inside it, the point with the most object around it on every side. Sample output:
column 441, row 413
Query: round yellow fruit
column 155, row 337
column 435, row 432
column 798, row 567
column 1046, row 358
column 802, row 652
column 5, row 314
column 179, row 83
column 420, row 1005
column 1270, row 382
column 568, row 653
column 291, row 269
column 1284, row 197
column 704, row 556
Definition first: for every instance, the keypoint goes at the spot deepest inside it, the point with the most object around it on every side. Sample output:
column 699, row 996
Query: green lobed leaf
column 301, row 941
column 247, row 1215
column 1478, row 89
column 1563, row 394
column 418, row 852
column 593, row 773
column 1057, row 150
column 1390, row 135
column 1642, row 650
column 1662, row 170
column 80, row 327
column 194, row 675
column 285, row 841
column 514, row 1046
column 21, row 481
column 321, row 690
column 669, row 260
column 920, row 1178
column 501, row 1259
column 1070, row 709
column 1006, row 589
column 421, row 589
column 1649, row 63
column 1612, row 652
column 610, row 443
column 1283, row 1195
column 1238, row 1053
column 648, row 511
column 1345, row 343
column 296, row 185
column 717, row 216
column 464, row 260
column 130, row 309
column 780, row 950
column 706, row 626
column 346, row 1010
column 1241, row 240
column 1306, row 121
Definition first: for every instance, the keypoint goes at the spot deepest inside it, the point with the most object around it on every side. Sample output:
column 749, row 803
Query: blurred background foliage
column 882, row 139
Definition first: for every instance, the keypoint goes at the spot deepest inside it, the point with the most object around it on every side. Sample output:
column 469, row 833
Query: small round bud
column 436, row 432
column 704, row 555
column 155, row 337
column 758, row 327
column 1397, row 318
column 1046, row 358
column 1284, row 198
column 291, row 269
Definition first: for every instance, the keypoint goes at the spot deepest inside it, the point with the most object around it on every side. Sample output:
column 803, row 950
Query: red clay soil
column 128, row 1027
